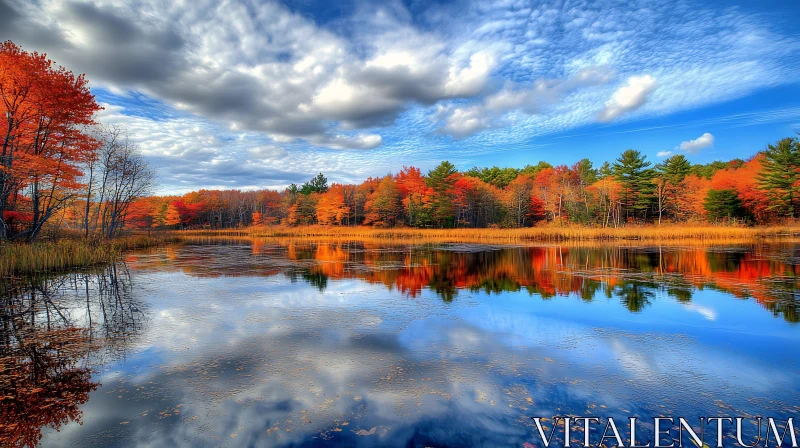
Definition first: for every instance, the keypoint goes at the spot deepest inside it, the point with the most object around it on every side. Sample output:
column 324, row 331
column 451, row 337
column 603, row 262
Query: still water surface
column 267, row 343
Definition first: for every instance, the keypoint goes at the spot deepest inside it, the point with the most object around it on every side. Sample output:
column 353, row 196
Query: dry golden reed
column 50, row 256
column 533, row 234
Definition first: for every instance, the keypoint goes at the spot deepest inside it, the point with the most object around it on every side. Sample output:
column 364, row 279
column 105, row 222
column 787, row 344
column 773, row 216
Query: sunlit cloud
column 629, row 97
column 693, row 146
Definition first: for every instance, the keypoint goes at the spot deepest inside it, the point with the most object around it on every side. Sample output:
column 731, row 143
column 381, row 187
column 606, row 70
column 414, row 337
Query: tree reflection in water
column 634, row 275
column 54, row 330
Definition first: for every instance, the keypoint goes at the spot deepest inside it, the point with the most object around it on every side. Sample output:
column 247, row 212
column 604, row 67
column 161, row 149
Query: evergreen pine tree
column 723, row 204
column 780, row 177
column 440, row 180
column 319, row 184
column 669, row 177
column 675, row 169
column 633, row 171
column 605, row 170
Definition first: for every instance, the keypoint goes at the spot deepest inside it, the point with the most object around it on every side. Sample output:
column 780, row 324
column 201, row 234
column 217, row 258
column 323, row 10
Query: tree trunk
column 5, row 169
column 88, row 201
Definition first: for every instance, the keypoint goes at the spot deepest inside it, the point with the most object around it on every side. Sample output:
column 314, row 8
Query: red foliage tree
column 44, row 114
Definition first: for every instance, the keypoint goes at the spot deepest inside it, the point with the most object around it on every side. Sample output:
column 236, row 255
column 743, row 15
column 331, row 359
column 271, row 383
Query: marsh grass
column 534, row 234
column 68, row 253
column 53, row 256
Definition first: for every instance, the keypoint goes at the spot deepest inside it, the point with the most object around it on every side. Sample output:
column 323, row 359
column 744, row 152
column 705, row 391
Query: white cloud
column 530, row 100
column 693, row 146
column 261, row 66
column 464, row 121
column 628, row 97
column 267, row 152
column 359, row 141
column 706, row 312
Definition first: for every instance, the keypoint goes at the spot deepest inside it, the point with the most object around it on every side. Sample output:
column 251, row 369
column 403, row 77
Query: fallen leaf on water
column 361, row 432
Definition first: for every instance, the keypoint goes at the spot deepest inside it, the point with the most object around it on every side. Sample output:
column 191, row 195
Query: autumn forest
column 628, row 190
column 61, row 169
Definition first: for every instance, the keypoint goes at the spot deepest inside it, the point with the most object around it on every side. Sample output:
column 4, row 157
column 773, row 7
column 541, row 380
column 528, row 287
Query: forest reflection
column 767, row 274
column 55, row 329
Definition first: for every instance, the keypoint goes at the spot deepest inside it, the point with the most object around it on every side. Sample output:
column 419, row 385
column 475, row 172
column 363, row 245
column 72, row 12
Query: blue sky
column 253, row 94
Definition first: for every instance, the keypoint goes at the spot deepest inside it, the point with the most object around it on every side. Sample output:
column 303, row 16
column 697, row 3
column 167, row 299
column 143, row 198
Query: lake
column 246, row 342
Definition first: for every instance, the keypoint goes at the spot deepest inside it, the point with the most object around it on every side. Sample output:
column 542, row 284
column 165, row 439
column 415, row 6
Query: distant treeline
column 762, row 189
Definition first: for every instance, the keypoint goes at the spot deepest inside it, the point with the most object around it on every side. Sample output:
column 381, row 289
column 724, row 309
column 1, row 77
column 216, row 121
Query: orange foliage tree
column 692, row 197
column 142, row 212
column 517, row 198
column 446, row 197
column 46, row 111
column 331, row 208
column 173, row 215
column 42, row 383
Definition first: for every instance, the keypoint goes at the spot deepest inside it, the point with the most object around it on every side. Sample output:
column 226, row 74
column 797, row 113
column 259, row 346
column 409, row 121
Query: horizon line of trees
column 629, row 190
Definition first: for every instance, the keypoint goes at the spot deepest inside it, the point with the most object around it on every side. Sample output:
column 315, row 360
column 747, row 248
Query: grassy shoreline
column 533, row 234
column 64, row 254
column 70, row 253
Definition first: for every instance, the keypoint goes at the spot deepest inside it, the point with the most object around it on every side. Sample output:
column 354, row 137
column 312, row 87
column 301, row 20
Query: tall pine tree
column 780, row 177
column 669, row 177
column 675, row 169
column 633, row 171
column 441, row 180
